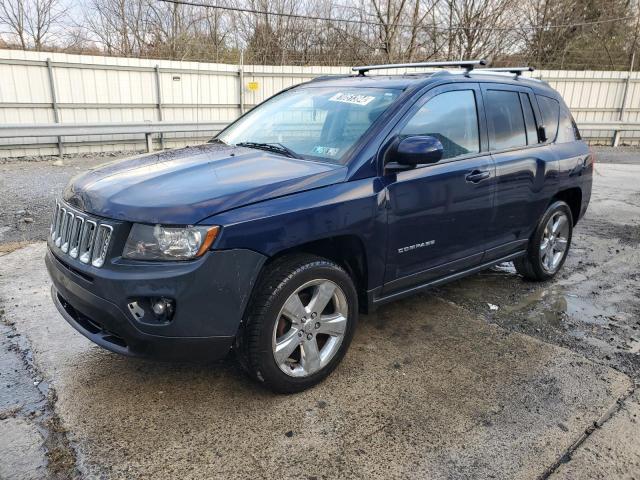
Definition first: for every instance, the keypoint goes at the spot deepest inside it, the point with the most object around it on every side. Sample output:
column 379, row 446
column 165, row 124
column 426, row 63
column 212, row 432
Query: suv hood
column 186, row 185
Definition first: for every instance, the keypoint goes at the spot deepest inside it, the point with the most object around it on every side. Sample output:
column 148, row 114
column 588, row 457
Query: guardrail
column 616, row 127
column 70, row 129
column 60, row 130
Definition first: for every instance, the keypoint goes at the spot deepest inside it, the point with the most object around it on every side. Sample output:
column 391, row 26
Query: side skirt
column 374, row 300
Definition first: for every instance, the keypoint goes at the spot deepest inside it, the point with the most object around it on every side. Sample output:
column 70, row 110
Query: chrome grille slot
column 67, row 224
column 101, row 245
column 62, row 224
column 74, row 239
column 56, row 230
column 54, row 221
column 80, row 236
column 86, row 243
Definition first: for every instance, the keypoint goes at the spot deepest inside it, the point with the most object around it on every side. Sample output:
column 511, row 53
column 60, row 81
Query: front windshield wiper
column 270, row 147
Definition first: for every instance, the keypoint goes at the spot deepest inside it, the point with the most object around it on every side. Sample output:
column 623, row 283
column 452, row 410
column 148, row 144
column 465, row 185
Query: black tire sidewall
column 534, row 248
column 266, row 369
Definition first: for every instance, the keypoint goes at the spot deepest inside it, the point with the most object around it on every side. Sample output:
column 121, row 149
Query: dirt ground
column 487, row 377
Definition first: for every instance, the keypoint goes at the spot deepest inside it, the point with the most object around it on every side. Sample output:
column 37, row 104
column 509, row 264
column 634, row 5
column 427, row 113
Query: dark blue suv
column 330, row 198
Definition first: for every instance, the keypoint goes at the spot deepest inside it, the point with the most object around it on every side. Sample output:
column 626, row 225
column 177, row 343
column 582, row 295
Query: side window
column 506, row 122
column 529, row 119
column 567, row 128
column 452, row 118
column 550, row 110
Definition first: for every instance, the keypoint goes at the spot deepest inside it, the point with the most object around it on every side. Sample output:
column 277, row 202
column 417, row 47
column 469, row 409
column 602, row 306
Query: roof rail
column 334, row 76
column 517, row 71
column 468, row 65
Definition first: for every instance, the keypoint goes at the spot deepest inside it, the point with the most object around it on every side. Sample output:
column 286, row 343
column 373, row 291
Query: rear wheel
column 549, row 245
column 299, row 323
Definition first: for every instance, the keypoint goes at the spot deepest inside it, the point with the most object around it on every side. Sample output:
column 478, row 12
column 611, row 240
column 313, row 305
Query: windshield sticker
column 352, row 98
column 327, row 151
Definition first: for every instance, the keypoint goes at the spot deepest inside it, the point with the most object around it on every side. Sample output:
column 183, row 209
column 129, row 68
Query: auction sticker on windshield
column 328, row 151
column 352, row 98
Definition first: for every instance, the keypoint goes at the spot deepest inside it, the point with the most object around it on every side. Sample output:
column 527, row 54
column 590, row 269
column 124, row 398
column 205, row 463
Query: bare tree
column 12, row 18
column 547, row 33
column 30, row 22
column 565, row 33
column 119, row 26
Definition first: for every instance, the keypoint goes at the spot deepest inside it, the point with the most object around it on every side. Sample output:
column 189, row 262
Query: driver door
column 439, row 214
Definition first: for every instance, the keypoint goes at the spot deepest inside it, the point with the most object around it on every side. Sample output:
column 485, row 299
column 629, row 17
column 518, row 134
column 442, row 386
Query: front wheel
column 299, row 323
column 549, row 245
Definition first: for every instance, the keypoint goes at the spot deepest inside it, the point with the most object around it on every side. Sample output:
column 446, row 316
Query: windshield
column 318, row 123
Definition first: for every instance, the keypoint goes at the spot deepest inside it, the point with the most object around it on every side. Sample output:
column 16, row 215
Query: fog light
column 163, row 308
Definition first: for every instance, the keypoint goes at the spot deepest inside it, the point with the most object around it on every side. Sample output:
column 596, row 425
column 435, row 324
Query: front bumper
column 210, row 294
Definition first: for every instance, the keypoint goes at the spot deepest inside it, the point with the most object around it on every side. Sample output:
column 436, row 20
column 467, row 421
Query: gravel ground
column 621, row 155
column 28, row 188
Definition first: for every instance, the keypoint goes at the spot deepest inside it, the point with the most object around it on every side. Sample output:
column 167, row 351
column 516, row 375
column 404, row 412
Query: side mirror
column 542, row 134
column 408, row 152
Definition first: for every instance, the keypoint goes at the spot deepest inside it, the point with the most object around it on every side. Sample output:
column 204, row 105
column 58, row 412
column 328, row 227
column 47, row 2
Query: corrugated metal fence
column 45, row 88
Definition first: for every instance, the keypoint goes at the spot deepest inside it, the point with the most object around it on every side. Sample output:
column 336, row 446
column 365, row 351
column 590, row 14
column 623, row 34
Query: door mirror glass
column 416, row 150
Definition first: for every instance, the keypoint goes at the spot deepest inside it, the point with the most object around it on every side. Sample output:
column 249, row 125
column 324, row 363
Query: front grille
column 80, row 236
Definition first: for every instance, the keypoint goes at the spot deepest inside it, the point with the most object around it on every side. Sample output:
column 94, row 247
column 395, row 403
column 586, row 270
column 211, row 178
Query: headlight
column 156, row 242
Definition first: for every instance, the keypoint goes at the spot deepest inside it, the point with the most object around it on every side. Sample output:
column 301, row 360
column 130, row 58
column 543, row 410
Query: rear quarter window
column 567, row 128
column 550, row 111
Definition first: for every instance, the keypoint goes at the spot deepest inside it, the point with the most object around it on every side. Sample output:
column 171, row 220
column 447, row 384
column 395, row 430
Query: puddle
column 558, row 307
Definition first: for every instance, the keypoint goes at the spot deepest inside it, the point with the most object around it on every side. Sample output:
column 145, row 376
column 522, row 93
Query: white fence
column 46, row 88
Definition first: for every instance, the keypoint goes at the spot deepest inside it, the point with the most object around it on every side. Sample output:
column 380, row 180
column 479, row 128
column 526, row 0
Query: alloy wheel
column 555, row 241
column 310, row 328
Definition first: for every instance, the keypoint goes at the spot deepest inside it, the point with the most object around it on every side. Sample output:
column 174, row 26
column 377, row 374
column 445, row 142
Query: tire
column 548, row 249
column 286, row 344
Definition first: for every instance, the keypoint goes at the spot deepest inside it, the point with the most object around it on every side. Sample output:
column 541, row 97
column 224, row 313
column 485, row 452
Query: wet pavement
column 488, row 377
column 593, row 307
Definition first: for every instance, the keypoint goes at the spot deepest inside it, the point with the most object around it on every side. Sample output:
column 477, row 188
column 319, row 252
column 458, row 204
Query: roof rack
column 468, row 65
column 517, row 71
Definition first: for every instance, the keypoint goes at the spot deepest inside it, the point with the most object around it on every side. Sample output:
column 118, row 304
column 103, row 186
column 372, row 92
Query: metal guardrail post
column 158, row 104
column 241, row 80
column 54, row 104
column 149, row 141
column 616, row 134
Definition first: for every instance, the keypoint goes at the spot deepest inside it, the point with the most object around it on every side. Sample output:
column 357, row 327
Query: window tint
column 452, row 118
column 550, row 110
column 567, row 129
column 529, row 119
column 506, row 123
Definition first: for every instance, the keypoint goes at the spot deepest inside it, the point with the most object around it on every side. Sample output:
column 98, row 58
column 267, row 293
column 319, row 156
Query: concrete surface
column 610, row 451
column 426, row 390
column 593, row 306
column 436, row 386
column 21, row 450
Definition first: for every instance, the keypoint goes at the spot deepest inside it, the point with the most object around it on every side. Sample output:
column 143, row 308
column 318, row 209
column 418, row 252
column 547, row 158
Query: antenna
column 468, row 65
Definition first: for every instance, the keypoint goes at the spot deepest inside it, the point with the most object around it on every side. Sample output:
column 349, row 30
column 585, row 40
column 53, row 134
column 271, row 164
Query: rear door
column 525, row 166
column 439, row 214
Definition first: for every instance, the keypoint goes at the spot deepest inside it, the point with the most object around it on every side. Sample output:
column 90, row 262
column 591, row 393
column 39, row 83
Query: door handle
column 477, row 176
